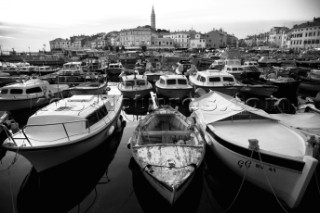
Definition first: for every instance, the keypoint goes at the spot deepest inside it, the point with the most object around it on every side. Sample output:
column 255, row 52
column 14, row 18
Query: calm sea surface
column 108, row 180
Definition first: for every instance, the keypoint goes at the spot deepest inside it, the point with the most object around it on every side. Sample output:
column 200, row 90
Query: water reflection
column 151, row 201
column 61, row 188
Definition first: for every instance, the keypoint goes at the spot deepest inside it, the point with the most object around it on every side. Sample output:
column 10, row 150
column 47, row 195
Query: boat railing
column 41, row 125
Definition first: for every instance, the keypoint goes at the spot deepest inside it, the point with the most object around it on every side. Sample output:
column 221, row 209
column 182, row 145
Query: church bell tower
column 153, row 19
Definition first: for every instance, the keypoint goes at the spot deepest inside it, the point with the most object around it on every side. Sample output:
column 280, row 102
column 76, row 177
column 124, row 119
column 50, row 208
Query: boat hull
column 228, row 90
column 288, row 184
column 171, row 195
column 44, row 158
column 133, row 94
column 259, row 90
column 174, row 92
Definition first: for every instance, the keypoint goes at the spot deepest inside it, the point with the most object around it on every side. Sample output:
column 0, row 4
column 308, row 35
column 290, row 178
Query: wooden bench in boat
column 166, row 132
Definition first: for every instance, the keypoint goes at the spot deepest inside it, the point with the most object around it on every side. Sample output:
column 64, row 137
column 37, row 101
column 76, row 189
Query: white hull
column 288, row 184
column 44, row 158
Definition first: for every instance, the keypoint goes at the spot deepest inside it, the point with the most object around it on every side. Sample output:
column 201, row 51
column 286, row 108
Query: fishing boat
column 115, row 68
column 154, row 75
column 215, row 80
column 134, row 86
column 71, row 73
column 173, row 86
column 29, row 94
column 66, row 129
column 257, row 147
column 168, row 150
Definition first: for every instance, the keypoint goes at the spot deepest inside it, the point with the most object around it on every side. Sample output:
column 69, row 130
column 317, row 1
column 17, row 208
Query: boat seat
column 166, row 132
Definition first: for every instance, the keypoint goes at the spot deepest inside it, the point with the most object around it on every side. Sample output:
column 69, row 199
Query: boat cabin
column 71, row 68
column 134, row 80
column 214, row 78
column 32, row 87
column 173, row 80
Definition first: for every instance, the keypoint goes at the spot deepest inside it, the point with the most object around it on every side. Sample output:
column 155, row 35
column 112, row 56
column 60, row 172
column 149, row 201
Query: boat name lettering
column 242, row 163
column 248, row 163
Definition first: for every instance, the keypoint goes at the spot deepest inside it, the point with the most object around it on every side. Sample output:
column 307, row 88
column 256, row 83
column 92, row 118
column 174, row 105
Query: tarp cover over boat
column 309, row 122
column 215, row 106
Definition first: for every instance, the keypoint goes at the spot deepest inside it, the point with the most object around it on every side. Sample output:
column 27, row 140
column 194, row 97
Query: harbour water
column 108, row 180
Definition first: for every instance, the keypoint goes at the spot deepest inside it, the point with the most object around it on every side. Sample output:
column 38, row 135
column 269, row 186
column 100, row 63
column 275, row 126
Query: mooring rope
column 272, row 190
column 241, row 185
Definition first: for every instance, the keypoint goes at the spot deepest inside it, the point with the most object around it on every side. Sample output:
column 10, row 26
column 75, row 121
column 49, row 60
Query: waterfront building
column 232, row 41
column 181, row 38
column 161, row 43
column 59, row 43
column 98, row 43
column 197, row 41
column 305, row 35
column 137, row 37
column 216, row 39
column 278, row 36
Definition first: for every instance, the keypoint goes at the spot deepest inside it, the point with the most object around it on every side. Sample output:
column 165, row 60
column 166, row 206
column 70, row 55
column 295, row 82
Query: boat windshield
column 141, row 83
column 70, row 67
column 214, row 79
column 182, row 81
column 228, row 79
column 129, row 83
column 171, row 81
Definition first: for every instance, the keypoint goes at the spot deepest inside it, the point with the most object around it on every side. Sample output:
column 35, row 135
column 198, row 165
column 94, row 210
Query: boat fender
column 111, row 130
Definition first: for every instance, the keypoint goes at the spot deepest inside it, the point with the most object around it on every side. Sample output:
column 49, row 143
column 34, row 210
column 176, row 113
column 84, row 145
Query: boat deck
column 272, row 136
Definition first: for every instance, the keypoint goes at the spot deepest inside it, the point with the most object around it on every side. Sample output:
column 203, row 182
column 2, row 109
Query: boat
column 185, row 67
column 115, row 68
column 134, row 86
column 217, row 64
column 168, row 151
column 173, row 86
column 44, row 70
column 71, row 73
column 256, row 146
column 67, row 129
column 234, row 67
column 29, row 94
column 154, row 75
column 90, row 87
column 287, row 86
column 215, row 80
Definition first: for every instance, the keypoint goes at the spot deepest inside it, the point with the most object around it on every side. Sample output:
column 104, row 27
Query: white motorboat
column 66, row 129
column 30, row 94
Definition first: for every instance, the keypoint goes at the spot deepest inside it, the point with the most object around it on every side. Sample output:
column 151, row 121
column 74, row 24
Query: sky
column 29, row 25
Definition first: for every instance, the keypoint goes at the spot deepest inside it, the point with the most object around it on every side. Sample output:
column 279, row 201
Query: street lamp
column 29, row 50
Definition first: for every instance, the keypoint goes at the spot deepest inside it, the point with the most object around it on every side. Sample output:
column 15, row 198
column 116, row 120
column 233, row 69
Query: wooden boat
column 66, row 129
column 256, row 146
column 216, row 80
column 168, row 150
column 134, row 86
column 173, row 86
column 29, row 94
